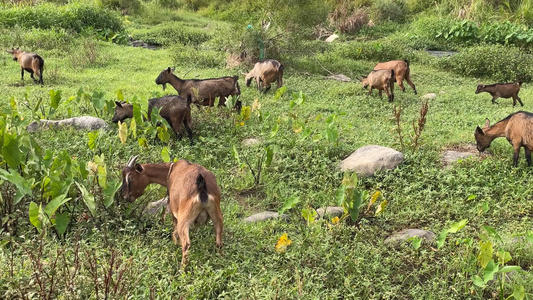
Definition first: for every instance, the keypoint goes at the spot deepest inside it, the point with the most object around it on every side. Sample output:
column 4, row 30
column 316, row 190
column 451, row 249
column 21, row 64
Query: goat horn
column 131, row 162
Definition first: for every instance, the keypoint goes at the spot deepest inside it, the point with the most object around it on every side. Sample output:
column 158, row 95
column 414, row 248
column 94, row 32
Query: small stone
column 332, row 211
column 450, row 156
column 408, row 233
column 340, row 77
column 250, row 141
column 369, row 159
column 331, row 38
column 429, row 96
column 263, row 216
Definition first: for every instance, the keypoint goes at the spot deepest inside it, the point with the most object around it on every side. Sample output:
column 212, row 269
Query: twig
column 323, row 67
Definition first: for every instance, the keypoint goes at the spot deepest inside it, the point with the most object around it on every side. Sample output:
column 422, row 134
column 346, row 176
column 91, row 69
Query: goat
column 503, row 90
column 401, row 71
column 29, row 62
column 192, row 190
column 265, row 72
column 80, row 123
column 517, row 128
column 203, row 91
column 174, row 109
column 381, row 80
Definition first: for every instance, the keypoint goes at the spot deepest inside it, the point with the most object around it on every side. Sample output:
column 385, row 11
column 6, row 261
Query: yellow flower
column 283, row 243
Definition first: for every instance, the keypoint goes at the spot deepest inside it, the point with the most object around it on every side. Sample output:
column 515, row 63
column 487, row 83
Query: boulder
column 80, row 123
column 409, row 233
column 332, row 211
column 263, row 216
column 369, row 159
column 340, row 77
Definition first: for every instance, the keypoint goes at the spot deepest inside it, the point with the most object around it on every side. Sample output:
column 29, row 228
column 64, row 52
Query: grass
column 324, row 261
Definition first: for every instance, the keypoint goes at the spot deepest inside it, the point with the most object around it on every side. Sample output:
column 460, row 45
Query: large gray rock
column 450, row 156
column 332, row 211
column 369, row 159
column 154, row 207
column 81, row 123
column 263, row 216
column 409, row 233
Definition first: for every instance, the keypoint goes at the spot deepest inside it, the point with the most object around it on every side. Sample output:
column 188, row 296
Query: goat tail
column 202, row 189
column 237, row 87
column 407, row 62
column 189, row 100
column 281, row 67
column 392, row 75
column 520, row 83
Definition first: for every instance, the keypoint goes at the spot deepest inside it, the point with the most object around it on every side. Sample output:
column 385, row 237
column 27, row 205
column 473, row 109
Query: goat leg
column 528, row 156
column 21, row 74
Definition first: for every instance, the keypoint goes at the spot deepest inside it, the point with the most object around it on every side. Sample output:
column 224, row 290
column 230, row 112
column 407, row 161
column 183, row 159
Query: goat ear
column 139, row 168
column 118, row 104
column 479, row 131
column 169, row 70
column 487, row 123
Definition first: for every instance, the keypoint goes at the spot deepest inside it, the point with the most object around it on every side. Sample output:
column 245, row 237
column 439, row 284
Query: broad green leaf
column 55, row 98
column 246, row 113
column 34, row 216
column 280, row 92
column 485, row 253
column 102, row 175
column 110, row 191
column 457, row 226
column 269, row 155
column 120, row 95
column 53, row 205
column 122, row 132
column 416, row 241
column 163, row 134
column 23, row 185
column 309, row 215
column 165, row 155
column 492, row 232
column 340, row 194
column 478, row 281
column 11, row 150
column 289, row 203
column 519, row 292
column 529, row 237
column 274, row 130
column 442, row 238
column 93, row 135
column 230, row 102
column 503, row 257
column 88, row 198
column 489, row 271
column 98, row 100
column 373, row 199
column 137, row 114
column 133, row 128
column 235, row 154
column 472, row 197
column 508, row 269
column 332, row 135
column 381, row 207
column 62, row 221
column 217, row 101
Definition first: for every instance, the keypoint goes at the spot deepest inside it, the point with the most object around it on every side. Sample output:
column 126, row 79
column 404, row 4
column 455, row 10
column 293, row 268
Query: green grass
column 324, row 261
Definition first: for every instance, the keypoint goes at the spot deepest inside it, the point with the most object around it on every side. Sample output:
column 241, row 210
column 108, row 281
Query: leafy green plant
column 264, row 160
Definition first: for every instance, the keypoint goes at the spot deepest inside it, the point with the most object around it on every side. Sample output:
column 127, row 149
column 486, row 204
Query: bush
column 423, row 32
column 347, row 19
column 171, row 33
column 126, row 7
column 187, row 56
column 35, row 38
column 377, row 51
column 497, row 62
column 389, row 10
column 76, row 17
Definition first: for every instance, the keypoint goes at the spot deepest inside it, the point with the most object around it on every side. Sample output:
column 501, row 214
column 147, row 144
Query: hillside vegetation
column 65, row 232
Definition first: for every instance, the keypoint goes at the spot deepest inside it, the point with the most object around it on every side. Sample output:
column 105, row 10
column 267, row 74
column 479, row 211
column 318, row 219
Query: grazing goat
column 381, row 80
column 192, row 190
column 203, row 91
column 174, row 109
column 29, row 62
column 265, row 72
column 517, row 128
column 81, row 123
column 503, row 90
column 401, row 71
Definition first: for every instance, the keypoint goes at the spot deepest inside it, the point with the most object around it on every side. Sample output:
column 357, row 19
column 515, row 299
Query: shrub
column 170, row 33
column 126, row 7
column 497, row 62
column 35, row 39
column 423, row 32
column 378, row 51
column 389, row 10
column 187, row 56
column 346, row 18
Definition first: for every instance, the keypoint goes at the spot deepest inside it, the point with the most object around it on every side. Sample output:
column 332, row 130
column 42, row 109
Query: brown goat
column 401, row 71
column 265, row 72
column 193, row 194
column 29, row 62
column 517, row 128
column 174, row 109
column 203, row 91
column 383, row 80
column 503, row 90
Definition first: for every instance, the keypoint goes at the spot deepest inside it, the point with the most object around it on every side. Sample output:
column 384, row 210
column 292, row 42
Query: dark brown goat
column 517, row 128
column 503, row 90
column 382, row 80
column 174, row 109
column 401, row 72
column 203, row 91
column 265, row 72
column 29, row 62
column 193, row 192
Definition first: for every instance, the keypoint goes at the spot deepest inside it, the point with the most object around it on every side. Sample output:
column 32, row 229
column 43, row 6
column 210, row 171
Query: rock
column 331, row 38
column 250, row 141
column 81, row 123
column 340, row 77
column 263, row 216
column 429, row 96
column 408, row 233
column 450, row 156
column 369, row 159
column 333, row 211
column 153, row 207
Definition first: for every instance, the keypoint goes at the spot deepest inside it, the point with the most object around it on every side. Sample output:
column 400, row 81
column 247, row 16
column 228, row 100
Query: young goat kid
column 174, row 109
column 265, row 72
column 503, row 90
column 192, row 190
column 517, row 128
column 203, row 91
column 383, row 80
column 401, row 71
column 29, row 62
